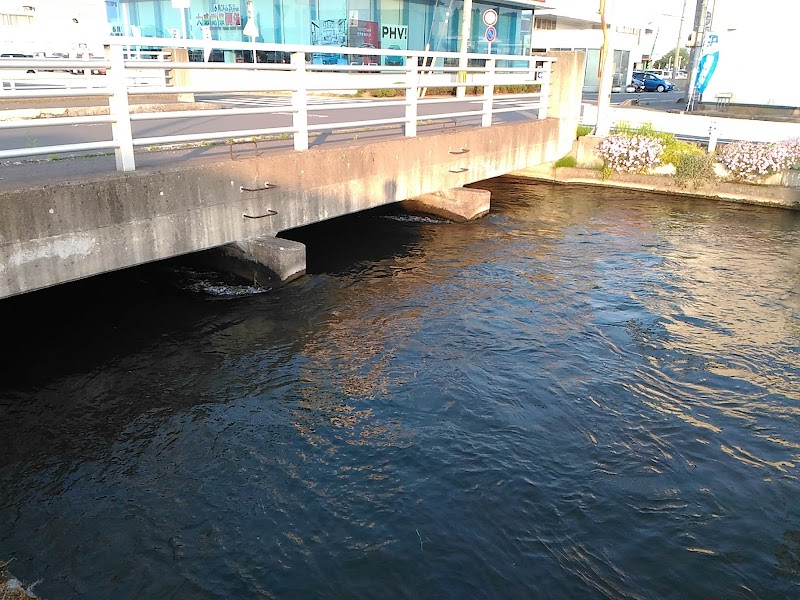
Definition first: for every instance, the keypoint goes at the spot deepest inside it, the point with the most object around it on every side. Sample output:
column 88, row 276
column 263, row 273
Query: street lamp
column 606, row 68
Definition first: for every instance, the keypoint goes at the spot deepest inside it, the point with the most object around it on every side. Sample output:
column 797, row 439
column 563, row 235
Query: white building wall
column 54, row 25
column 578, row 27
column 757, row 49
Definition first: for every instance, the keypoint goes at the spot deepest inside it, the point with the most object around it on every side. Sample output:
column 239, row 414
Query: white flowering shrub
column 793, row 145
column 752, row 160
column 630, row 153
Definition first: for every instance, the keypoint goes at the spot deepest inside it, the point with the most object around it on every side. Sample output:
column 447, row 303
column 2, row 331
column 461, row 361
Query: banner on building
column 221, row 16
column 363, row 34
column 394, row 37
column 708, row 62
column 328, row 32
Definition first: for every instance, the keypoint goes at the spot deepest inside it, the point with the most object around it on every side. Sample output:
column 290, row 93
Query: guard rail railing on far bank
column 309, row 69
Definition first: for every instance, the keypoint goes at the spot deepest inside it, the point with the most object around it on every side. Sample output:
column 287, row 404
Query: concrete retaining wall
column 745, row 193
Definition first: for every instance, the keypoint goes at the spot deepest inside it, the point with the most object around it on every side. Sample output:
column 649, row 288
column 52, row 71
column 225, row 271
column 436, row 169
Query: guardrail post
column 544, row 100
column 488, row 93
column 412, row 96
column 713, row 135
column 300, row 101
column 119, row 108
column 179, row 78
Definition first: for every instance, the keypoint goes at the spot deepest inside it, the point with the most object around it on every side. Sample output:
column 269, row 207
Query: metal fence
column 172, row 67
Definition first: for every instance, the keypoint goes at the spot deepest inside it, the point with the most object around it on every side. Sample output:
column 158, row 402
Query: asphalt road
column 319, row 114
column 674, row 100
column 45, row 169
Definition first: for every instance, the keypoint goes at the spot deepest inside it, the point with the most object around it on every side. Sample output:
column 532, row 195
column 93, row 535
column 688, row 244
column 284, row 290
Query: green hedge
column 473, row 90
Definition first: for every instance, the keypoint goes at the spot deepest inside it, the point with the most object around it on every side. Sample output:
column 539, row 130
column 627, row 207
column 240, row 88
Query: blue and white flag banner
column 708, row 62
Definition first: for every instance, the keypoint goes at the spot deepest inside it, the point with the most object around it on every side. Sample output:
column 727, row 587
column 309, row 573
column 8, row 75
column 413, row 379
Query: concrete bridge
column 73, row 227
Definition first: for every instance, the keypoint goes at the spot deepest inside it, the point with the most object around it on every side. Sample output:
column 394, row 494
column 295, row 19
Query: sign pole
column 250, row 29
column 181, row 6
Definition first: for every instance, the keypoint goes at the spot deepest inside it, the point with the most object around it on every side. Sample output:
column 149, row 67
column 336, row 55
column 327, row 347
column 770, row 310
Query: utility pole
column 677, row 60
column 700, row 18
column 603, row 126
column 466, row 32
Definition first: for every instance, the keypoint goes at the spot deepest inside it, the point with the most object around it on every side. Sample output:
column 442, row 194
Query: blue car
column 648, row 82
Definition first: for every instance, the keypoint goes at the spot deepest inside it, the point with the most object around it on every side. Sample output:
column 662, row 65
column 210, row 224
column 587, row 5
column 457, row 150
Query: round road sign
column 491, row 34
column 489, row 17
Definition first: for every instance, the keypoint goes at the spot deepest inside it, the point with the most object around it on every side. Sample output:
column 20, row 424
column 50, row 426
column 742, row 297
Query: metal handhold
column 232, row 143
column 267, row 186
column 459, row 170
column 269, row 213
column 463, row 150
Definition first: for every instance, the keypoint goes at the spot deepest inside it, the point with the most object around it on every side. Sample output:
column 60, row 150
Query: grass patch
column 566, row 161
column 386, row 93
column 472, row 90
column 694, row 169
column 583, row 130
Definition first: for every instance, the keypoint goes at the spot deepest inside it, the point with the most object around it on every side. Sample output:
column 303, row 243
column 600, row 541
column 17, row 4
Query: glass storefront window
column 395, row 24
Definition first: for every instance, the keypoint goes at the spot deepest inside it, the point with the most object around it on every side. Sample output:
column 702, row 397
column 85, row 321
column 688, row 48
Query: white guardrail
column 129, row 70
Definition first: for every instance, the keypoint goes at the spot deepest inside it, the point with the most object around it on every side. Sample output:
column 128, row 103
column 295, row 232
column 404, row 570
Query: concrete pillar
column 264, row 260
column 463, row 46
column 458, row 204
column 566, row 88
column 181, row 77
column 603, row 126
column 585, row 151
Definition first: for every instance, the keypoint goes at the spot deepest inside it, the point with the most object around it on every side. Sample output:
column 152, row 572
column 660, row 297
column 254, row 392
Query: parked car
column 18, row 55
column 658, row 73
column 394, row 61
column 649, row 82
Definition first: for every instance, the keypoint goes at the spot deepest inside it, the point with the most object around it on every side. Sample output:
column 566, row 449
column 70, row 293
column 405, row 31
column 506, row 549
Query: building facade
column 576, row 25
column 390, row 24
column 523, row 26
column 48, row 27
column 754, row 47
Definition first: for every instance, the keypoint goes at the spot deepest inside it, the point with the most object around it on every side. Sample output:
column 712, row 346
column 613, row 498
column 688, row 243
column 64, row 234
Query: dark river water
column 585, row 394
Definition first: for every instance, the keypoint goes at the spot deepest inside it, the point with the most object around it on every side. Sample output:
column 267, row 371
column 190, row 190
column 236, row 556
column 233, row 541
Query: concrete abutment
column 458, row 204
column 263, row 260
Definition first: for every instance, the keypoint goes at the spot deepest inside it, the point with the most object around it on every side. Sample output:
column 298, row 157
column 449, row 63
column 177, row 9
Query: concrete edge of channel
column 746, row 193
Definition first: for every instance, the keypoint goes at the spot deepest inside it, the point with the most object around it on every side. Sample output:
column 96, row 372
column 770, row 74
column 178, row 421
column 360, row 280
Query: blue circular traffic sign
column 491, row 34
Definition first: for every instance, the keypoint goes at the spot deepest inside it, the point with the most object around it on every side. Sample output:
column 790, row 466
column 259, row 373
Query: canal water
column 586, row 394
